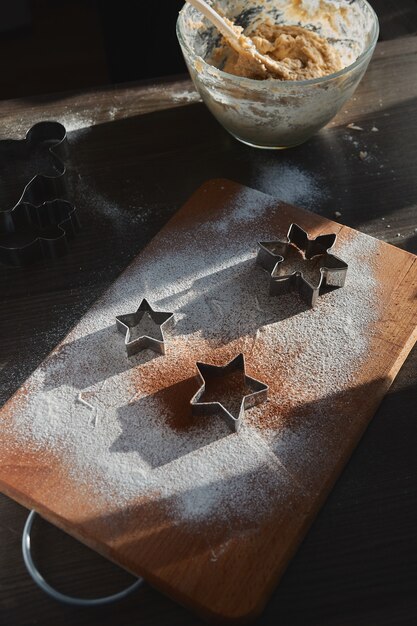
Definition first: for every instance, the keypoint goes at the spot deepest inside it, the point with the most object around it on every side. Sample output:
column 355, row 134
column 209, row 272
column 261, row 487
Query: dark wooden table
column 136, row 154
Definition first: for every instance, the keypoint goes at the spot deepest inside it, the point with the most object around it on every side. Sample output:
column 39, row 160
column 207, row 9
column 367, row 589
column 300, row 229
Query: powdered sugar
column 125, row 441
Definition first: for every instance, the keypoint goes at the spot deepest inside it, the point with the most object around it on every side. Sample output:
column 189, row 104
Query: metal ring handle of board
column 56, row 595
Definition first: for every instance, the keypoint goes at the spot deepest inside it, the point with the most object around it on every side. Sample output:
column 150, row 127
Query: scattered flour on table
column 75, row 121
column 118, row 213
column 187, row 97
column 120, row 442
column 17, row 129
column 289, row 183
column 87, row 195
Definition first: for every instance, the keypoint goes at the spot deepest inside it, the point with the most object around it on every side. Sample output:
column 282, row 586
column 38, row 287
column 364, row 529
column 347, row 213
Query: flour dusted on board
column 131, row 436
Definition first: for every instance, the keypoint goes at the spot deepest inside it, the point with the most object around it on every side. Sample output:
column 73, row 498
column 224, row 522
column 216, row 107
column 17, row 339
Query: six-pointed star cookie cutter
column 272, row 254
column 207, row 371
column 125, row 323
column 41, row 222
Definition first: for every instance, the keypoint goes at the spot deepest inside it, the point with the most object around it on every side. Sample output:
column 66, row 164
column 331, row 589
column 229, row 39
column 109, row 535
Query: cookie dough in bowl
column 319, row 50
column 298, row 53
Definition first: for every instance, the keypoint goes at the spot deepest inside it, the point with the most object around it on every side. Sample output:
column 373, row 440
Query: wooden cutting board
column 105, row 447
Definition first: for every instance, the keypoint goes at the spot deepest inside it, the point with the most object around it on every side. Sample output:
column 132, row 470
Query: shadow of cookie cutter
column 272, row 254
column 207, row 371
column 57, row 595
column 124, row 323
column 40, row 224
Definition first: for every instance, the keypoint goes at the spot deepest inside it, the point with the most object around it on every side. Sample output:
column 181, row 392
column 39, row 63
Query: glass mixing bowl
column 272, row 113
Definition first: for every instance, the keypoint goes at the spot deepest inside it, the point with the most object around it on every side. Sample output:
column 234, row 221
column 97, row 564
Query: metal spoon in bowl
column 263, row 64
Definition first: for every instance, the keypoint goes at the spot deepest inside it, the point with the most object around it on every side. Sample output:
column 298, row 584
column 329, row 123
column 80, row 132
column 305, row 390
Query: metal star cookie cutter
column 275, row 258
column 127, row 323
column 208, row 372
column 41, row 222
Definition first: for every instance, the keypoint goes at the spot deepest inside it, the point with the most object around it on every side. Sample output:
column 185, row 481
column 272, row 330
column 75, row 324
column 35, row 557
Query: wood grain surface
column 148, row 533
column 358, row 562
